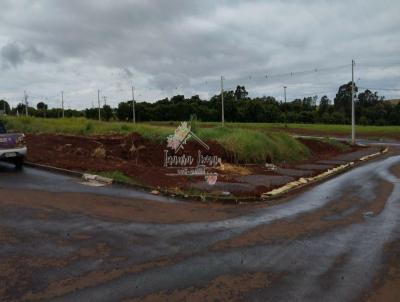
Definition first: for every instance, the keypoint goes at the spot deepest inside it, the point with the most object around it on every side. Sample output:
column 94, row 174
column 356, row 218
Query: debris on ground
column 271, row 167
column 368, row 214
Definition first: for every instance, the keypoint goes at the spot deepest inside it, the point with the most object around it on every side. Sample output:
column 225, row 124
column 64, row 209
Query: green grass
column 317, row 129
column 117, row 176
column 337, row 144
column 82, row 126
column 252, row 146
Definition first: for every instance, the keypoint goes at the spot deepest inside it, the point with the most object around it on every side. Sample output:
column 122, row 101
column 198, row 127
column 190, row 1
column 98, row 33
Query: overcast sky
column 166, row 47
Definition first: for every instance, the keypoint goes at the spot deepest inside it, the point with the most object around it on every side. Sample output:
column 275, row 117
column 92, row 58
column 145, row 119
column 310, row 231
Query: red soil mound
column 132, row 155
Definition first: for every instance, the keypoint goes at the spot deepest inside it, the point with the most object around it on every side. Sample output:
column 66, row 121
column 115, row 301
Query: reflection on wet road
column 325, row 244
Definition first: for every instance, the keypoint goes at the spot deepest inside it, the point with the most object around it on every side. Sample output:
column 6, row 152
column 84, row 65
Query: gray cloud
column 14, row 54
column 84, row 45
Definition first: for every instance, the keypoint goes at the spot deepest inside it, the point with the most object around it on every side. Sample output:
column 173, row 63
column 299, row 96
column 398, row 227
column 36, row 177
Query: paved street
column 61, row 240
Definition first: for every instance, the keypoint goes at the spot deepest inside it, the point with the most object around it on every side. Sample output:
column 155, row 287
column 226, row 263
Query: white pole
column 26, row 103
column 133, row 106
column 353, row 120
column 284, row 91
column 98, row 103
column 62, row 103
column 222, row 101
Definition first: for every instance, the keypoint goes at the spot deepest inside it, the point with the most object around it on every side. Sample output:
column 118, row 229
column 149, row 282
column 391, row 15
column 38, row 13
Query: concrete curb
column 324, row 175
column 97, row 178
column 82, row 174
column 53, row 169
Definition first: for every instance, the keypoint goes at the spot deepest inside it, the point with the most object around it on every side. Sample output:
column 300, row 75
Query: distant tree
column 240, row 92
column 124, row 111
column 324, row 105
column 106, row 112
column 5, row 107
column 41, row 106
column 368, row 98
column 343, row 99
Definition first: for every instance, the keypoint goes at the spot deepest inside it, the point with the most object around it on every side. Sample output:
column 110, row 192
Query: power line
column 388, row 89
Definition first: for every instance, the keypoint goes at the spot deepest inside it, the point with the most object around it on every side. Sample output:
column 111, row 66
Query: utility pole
column 98, row 103
column 284, row 92
column 353, row 119
column 26, row 103
column 222, row 101
column 62, row 103
column 105, row 100
column 133, row 106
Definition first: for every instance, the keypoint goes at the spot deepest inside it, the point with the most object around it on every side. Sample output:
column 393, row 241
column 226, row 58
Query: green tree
column 343, row 99
column 5, row 107
column 106, row 112
column 41, row 106
column 240, row 93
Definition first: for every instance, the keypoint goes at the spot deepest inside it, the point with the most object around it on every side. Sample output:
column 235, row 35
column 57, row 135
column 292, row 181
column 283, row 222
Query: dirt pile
column 133, row 155
column 143, row 161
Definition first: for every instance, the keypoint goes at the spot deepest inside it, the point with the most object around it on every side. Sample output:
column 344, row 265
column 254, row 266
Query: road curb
column 302, row 182
column 53, row 169
column 98, row 177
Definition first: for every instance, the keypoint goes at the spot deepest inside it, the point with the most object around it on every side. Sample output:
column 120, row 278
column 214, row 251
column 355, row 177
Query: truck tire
column 18, row 162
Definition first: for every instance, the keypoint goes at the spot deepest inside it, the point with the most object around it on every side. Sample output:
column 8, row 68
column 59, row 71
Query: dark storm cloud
column 13, row 54
column 177, row 43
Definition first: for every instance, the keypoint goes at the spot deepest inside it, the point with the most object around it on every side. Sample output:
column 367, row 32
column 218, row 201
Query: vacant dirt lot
column 142, row 160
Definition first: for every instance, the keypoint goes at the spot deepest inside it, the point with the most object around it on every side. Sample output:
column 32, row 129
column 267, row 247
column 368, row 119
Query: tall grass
column 82, row 126
column 318, row 129
column 252, row 146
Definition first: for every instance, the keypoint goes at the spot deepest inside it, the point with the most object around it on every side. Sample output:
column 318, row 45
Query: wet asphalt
column 309, row 264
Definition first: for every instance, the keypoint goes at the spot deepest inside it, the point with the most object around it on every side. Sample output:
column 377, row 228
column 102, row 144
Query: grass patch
column 117, row 176
column 82, row 126
column 251, row 146
column 337, row 144
column 372, row 132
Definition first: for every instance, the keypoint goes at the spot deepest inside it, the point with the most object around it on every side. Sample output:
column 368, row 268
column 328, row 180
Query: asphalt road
column 61, row 240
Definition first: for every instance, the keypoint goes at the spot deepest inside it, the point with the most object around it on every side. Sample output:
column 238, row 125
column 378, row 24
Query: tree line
column 371, row 109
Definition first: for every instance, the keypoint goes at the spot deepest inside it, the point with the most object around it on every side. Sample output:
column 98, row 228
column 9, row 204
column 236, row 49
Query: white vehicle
column 12, row 147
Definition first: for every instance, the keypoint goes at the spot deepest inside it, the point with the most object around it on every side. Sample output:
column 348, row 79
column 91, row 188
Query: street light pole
column 133, row 106
column 222, row 101
column 98, row 103
column 26, row 103
column 62, row 103
column 353, row 119
column 284, row 92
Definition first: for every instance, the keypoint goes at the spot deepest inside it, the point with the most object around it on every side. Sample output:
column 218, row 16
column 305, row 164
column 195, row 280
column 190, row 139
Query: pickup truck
column 12, row 147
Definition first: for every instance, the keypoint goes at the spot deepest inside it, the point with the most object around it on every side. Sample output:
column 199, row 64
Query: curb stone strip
column 304, row 181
